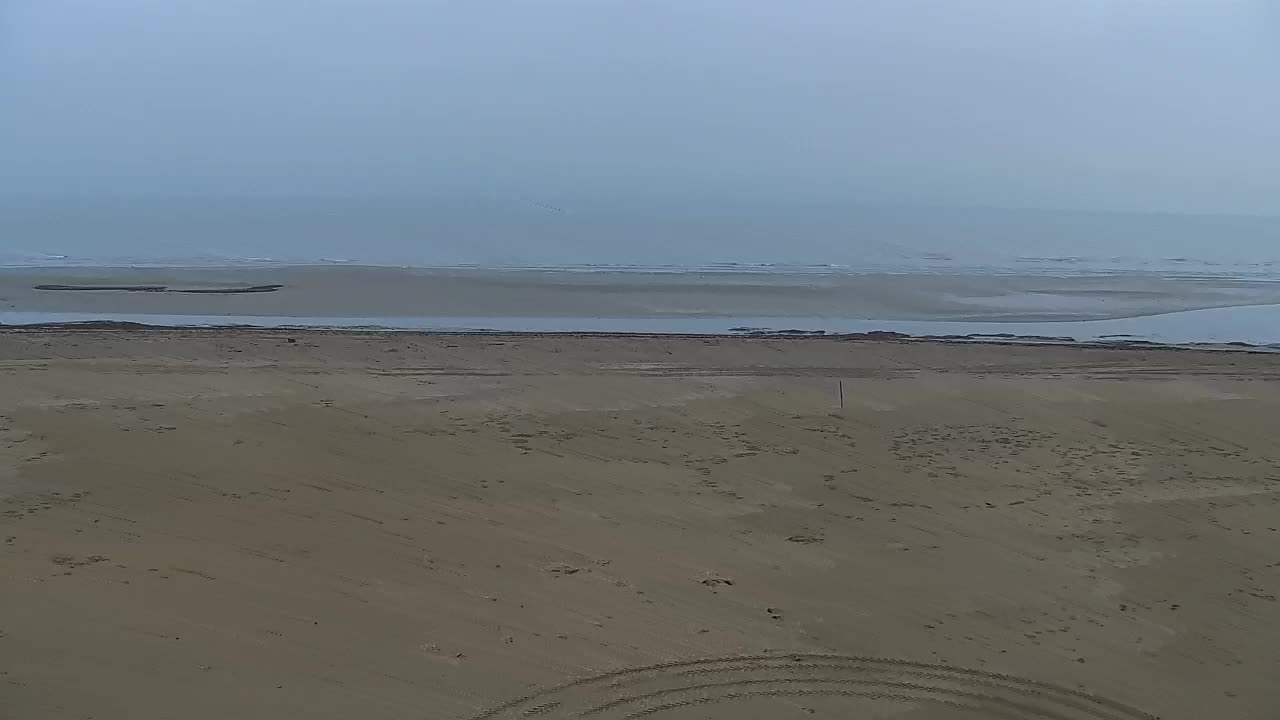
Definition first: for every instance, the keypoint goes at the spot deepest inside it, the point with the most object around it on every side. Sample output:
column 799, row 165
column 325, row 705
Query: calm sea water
column 750, row 234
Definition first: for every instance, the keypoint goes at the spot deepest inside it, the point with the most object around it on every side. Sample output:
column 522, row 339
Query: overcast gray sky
column 1121, row 104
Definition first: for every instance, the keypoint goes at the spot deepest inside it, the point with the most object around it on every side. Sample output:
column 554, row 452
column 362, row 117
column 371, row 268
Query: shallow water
column 1255, row 325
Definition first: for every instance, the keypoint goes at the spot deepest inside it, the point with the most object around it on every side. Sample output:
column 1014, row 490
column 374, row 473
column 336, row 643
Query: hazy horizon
column 643, row 131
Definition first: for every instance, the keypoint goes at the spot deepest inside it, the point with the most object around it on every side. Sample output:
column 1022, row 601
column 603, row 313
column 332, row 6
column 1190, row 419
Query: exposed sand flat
column 231, row 525
column 352, row 291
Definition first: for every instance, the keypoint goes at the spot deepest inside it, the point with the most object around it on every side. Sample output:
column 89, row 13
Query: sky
column 1117, row 105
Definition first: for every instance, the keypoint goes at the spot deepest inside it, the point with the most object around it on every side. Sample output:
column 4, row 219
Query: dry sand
column 230, row 525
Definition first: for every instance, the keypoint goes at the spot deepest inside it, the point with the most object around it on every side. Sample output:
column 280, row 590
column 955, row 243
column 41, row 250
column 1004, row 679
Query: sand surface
column 231, row 525
column 371, row 292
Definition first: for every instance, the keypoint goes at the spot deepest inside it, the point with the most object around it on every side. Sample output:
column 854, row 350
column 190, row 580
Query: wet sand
column 263, row 524
column 372, row 292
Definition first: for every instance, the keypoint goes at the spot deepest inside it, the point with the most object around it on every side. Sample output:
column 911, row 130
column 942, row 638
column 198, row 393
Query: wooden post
column 841, row 394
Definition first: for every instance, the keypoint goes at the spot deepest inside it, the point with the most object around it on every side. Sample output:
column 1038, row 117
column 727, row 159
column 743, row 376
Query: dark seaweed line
column 164, row 289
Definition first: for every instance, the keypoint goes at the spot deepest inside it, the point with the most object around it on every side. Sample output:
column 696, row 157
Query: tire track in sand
column 648, row 691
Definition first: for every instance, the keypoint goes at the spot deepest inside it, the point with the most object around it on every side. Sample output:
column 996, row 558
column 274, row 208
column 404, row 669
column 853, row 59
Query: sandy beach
column 263, row 525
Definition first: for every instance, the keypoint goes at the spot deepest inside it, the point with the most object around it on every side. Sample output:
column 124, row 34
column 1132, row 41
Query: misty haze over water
column 571, row 132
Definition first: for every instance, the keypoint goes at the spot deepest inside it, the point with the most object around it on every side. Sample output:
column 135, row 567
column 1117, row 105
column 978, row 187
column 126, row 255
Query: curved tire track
column 647, row 691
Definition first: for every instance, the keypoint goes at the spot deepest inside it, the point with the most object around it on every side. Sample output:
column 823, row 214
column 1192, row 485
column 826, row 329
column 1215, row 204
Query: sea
column 785, row 242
